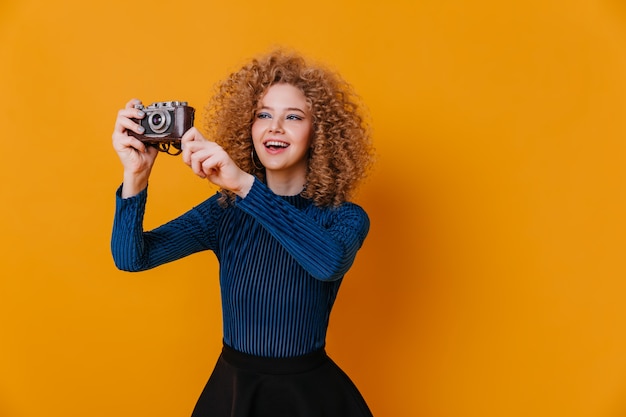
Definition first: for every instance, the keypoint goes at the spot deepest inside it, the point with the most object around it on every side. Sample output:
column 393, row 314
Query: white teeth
column 276, row 143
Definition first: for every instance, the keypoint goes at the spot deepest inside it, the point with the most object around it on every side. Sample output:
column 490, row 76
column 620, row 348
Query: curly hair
column 341, row 152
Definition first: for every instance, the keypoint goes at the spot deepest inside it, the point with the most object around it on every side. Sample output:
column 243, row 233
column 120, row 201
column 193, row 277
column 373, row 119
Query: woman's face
column 281, row 131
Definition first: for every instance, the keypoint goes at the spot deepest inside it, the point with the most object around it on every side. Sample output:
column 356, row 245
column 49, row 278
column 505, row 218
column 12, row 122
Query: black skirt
column 243, row 385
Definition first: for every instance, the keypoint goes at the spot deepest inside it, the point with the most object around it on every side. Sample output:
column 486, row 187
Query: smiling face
column 281, row 133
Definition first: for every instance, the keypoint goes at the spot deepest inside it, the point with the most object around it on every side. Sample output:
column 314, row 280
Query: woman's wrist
column 134, row 184
column 245, row 186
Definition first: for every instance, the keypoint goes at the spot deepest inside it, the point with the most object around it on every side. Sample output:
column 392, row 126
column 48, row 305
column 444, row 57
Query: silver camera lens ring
column 162, row 124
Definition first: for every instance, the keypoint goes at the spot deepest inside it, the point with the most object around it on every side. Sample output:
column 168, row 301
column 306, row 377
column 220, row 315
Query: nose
column 276, row 125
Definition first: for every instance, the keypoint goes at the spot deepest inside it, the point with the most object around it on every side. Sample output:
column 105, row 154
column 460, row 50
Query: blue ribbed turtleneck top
column 281, row 260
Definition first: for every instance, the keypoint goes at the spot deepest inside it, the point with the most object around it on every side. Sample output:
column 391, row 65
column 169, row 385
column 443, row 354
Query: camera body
column 164, row 122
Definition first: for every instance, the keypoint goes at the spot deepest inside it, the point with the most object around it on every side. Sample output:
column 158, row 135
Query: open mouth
column 275, row 144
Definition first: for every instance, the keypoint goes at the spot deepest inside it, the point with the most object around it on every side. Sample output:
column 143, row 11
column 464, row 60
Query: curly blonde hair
column 341, row 151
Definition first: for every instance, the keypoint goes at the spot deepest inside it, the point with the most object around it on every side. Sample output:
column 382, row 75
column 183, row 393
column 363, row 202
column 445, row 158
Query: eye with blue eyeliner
column 265, row 115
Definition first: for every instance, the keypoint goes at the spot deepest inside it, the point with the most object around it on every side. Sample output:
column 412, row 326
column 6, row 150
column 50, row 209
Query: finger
column 191, row 147
column 139, row 145
column 132, row 103
column 131, row 113
column 185, row 146
column 210, row 168
column 200, row 159
column 196, row 167
column 188, row 136
column 121, row 142
column 192, row 135
column 125, row 123
column 186, row 154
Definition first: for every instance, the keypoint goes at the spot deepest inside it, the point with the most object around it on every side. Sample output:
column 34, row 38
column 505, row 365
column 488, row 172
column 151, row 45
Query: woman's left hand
column 208, row 160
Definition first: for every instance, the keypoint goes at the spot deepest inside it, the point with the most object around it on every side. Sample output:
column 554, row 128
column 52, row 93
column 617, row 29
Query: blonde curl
column 341, row 152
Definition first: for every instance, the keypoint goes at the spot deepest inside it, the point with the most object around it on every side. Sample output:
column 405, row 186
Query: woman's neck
column 285, row 185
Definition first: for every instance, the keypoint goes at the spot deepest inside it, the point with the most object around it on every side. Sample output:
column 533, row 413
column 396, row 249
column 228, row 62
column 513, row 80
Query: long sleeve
column 282, row 260
column 323, row 241
column 136, row 250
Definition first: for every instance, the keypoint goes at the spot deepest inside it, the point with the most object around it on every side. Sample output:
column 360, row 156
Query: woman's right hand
column 136, row 157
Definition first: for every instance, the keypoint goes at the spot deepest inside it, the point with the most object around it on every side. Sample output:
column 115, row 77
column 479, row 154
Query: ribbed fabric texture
column 281, row 262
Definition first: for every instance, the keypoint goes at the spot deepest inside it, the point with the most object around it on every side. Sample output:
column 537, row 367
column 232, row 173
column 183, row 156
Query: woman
column 290, row 146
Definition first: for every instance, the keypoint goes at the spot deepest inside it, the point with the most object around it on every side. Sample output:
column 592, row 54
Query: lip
column 268, row 142
column 275, row 150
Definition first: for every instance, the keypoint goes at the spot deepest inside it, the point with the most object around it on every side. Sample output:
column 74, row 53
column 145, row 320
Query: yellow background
column 493, row 280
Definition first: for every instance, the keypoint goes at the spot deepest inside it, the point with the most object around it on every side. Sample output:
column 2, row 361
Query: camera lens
column 159, row 121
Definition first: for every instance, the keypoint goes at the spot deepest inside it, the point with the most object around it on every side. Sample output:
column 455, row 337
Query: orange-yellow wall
column 492, row 283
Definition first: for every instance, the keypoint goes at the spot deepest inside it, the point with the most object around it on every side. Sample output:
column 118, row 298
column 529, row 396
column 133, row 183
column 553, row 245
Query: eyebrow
column 287, row 109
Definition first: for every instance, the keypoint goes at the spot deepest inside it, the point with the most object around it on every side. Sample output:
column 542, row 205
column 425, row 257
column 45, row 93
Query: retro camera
column 164, row 122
